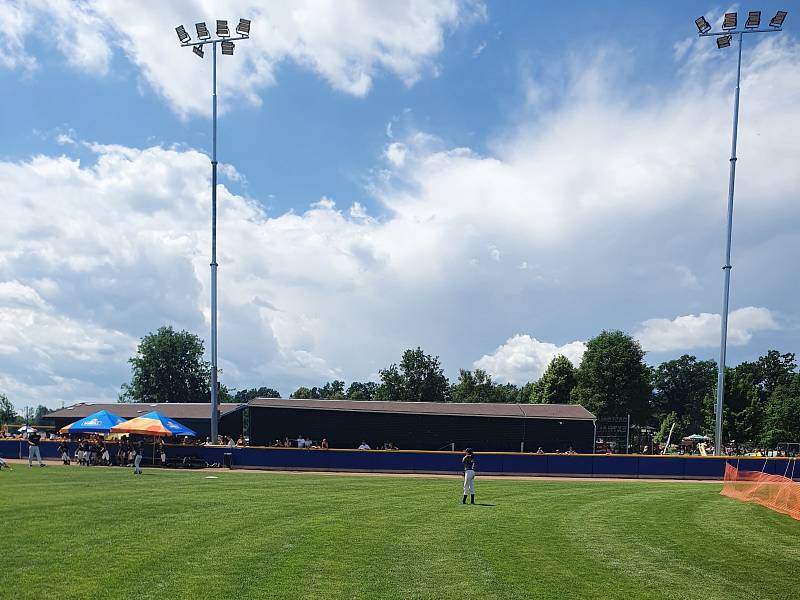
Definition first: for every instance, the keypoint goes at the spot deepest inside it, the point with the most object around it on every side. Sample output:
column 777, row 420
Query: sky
column 495, row 182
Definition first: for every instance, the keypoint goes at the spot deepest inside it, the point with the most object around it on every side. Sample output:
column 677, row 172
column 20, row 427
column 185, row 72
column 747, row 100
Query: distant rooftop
column 530, row 411
column 174, row 410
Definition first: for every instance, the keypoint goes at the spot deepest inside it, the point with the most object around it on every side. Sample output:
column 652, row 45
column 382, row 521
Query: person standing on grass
column 63, row 450
column 468, row 461
column 33, row 449
column 105, row 457
column 162, row 450
column 137, row 459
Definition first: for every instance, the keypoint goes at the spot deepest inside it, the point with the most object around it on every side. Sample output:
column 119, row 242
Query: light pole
column 729, row 30
column 226, row 44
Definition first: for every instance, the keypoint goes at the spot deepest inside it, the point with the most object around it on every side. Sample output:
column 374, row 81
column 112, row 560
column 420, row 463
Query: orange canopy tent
column 155, row 424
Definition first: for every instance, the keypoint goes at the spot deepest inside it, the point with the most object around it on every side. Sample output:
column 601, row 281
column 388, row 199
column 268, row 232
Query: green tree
column 169, row 367
column 418, row 378
column 39, row 414
column 556, row 383
column 362, row 391
column 680, row 387
column 305, row 393
column 525, row 393
column 680, row 431
column 613, row 380
column 333, row 390
column 782, row 418
column 473, row 386
column 507, row 393
column 7, row 412
column 243, row 396
column 743, row 409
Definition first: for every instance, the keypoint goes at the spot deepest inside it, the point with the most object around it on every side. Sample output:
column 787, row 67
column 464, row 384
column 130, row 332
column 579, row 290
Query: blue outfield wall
column 410, row 461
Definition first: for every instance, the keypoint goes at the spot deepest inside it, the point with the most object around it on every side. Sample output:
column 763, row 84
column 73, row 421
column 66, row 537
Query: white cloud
column 347, row 43
column 523, row 358
column 395, row 153
column 703, row 330
column 15, row 23
column 330, row 291
column 480, row 48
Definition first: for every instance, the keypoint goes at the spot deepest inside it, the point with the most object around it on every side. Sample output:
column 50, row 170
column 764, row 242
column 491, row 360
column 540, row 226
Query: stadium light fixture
column 703, row 26
column 182, row 35
column 225, row 42
column 753, row 19
column 243, row 28
column 724, row 40
column 778, row 19
column 202, row 31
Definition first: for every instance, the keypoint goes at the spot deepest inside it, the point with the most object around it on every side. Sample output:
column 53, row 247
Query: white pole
column 727, row 266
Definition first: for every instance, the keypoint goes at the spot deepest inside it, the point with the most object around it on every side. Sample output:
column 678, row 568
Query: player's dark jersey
column 469, row 463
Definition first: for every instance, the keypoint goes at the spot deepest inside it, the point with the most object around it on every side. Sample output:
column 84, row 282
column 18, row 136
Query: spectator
column 540, row 451
column 162, row 450
column 301, row 441
column 307, row 442
column 122, row 452
column 240, row 441
column 105, row 457
column 391, row 446
column 137, row 459
column 231, row 443
column 364, row 446
column 63, row 450
column 324, row 443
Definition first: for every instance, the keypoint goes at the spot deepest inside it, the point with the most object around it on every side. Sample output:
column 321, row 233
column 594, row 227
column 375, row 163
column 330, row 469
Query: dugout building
column 425, row 425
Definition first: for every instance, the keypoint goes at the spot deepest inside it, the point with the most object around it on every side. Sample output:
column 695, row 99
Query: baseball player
column 468, row 461
column 137, row 461
column 33, row 449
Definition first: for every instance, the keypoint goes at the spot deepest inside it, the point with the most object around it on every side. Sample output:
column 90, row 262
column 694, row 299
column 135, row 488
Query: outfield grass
column 85, row 533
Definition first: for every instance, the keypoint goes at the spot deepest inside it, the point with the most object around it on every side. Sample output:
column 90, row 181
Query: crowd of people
column 92, row 450
column 301, row 441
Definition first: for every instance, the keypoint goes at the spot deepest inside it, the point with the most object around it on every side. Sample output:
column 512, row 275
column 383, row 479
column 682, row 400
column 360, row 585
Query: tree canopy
column 418, row 378
column 7, row 412
column 248, row 394
column 556, row 383
column 680, row 388
column 168, row 367
column 613, row 380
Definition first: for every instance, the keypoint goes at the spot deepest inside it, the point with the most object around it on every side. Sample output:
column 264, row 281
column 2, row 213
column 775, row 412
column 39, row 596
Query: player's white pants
column 469, row 482
column 64, row 457
column 136, row 462
column 34, row 451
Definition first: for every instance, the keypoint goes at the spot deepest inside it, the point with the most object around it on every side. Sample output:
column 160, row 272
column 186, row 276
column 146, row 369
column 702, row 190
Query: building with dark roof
column 425, row 425
column 195, row 415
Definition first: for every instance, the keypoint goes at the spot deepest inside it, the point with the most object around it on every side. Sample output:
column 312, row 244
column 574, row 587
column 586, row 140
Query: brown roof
column 531, row 411
column 173, row 410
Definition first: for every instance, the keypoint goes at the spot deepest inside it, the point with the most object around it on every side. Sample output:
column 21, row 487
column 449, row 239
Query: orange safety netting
column 775, row 492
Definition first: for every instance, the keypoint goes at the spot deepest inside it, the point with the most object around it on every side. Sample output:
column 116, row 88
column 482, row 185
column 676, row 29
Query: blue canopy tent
column 100, row 422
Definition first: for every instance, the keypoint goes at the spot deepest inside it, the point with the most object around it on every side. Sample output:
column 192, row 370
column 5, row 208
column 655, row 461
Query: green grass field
column 103, row 533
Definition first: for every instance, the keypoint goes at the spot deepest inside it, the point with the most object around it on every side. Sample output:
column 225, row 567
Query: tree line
column 762, row 398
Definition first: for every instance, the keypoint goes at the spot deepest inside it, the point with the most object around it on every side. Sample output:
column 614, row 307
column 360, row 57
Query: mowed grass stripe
column 103, row 533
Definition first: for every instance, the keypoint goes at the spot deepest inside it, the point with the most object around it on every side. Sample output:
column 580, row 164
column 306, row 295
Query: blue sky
column 496, row 182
